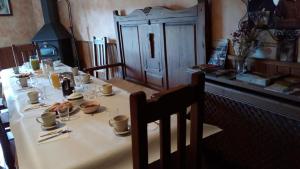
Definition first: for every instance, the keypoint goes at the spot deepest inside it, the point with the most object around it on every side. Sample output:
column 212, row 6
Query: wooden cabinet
column 158, row 45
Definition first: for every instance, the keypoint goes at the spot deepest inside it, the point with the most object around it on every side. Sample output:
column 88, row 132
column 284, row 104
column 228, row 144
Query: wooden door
column 131, row 51
column 180, row 52
column 151, row 42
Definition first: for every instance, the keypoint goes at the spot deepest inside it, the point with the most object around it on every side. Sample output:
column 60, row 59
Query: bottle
column 67, row 89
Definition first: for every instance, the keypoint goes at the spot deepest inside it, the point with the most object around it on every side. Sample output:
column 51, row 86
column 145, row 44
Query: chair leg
column 107, row 74
column 123, row 72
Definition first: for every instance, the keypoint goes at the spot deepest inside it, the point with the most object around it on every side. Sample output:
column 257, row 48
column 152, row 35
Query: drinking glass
column 43, row 94
column 34, row 82
column 34, row 62
column 54, row 79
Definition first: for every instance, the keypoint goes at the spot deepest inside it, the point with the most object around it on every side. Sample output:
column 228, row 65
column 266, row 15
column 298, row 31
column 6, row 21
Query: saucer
column 51, row 127
column 122, row 133
column 88, row 82
column 29, row 102
column 108, row 94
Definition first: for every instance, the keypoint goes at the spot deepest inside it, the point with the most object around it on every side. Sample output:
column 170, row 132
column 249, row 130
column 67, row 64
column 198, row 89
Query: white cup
column 107, row 89
column 119, row 123
column 33, row 97
column 23, row 81
column 47, row 119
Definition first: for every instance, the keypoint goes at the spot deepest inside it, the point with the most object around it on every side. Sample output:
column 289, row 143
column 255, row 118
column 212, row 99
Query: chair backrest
column 100, row 57
column 23, row 52
column 6, row 147
column 161, row 107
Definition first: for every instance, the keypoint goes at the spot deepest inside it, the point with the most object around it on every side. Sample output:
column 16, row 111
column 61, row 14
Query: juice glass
column 54, row 78
column 34, row 62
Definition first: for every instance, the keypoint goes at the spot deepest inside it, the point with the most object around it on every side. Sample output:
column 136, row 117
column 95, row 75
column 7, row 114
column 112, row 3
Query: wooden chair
column 22, row 53
column 7, row 144
column 161, row 107
column 101, row 60
column 4, row 115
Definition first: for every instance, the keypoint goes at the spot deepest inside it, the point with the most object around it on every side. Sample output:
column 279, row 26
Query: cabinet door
column 180, row 52
column 151, row 42
column 131, row 52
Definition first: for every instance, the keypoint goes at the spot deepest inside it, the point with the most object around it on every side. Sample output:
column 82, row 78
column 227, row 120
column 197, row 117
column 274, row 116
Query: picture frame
column 219, row 54
column 5, row 8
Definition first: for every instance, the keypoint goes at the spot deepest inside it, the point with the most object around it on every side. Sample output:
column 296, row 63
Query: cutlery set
column 53, row 135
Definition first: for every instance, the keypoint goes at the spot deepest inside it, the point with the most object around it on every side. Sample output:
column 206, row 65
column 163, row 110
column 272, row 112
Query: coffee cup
column 16, row 70
column 75, row 71
column 119, row 123
column 86, row 78
column 23, row 81
column 107, row 89
column 47, row 119
column 33, row 97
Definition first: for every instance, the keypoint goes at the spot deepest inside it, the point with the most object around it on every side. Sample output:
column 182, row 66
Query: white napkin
column 51, row 134
column 34, row 106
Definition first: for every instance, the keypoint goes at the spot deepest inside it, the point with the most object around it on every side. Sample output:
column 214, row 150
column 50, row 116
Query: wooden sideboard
column 157, row 45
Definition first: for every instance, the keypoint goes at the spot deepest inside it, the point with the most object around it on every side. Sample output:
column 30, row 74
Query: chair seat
column 4, row 115
column 130, row 86
column 2, row 106
column 10, row 135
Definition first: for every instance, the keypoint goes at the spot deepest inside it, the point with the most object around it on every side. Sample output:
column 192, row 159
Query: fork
column 37, row 106
column 53, row 132
column 56, row 135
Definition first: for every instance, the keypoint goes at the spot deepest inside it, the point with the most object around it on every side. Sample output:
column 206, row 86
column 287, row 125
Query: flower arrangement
column 244, row 39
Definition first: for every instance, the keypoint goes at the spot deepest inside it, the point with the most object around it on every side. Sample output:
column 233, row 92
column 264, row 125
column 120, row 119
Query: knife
column 61, row 133
column 51, row 133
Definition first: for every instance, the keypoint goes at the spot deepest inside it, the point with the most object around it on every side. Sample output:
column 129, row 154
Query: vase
column 240, row 65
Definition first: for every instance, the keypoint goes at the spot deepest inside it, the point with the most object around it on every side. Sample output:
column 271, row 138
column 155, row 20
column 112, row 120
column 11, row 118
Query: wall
column 19, row 28
column 95, row 18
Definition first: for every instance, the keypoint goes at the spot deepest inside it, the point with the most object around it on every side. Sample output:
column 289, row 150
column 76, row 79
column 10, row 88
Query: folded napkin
column 53, row 135
column 34, row 106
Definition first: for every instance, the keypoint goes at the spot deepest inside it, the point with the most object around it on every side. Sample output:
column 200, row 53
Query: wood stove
column 54, row 40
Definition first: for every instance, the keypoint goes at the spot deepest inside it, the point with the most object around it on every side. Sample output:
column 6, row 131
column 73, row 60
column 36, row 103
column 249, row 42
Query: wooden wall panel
column 85, row 53
column 283, row 69
column 271, row 67
column 6, row 58
column 295, row 71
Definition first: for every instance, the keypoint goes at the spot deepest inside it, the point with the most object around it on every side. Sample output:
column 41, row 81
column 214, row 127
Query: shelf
column 253, row 89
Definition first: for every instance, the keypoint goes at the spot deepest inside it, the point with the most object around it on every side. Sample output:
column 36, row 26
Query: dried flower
column 245, row 39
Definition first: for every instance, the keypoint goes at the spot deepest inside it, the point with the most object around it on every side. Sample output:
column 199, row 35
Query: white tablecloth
column 92, row 143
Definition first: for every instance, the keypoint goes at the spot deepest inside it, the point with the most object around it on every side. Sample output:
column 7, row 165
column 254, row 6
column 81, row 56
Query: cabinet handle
column 152, row 45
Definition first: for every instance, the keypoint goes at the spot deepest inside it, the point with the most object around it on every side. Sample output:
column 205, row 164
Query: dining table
column 92, row 142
